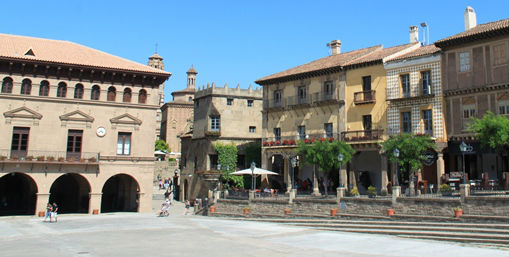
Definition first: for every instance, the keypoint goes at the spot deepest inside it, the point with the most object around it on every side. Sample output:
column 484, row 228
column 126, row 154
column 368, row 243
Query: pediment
column 126, row 119
column 23, row 112
column 76, row 116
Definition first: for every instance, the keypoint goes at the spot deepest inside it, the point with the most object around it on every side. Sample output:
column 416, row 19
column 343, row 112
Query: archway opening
column 186, row 190
column 17, row 194
column 71, row 192
column 120, row 193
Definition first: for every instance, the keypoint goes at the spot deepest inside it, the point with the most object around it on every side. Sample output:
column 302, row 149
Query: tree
column 411, row 152
column 227, row 158
column 161, row 145
column 492, row 131
column 324, row 154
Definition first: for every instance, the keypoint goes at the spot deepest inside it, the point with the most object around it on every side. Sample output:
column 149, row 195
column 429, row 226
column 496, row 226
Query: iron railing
column 364, row 97
column 7, row 155
column 362, row 135
column 292, row 140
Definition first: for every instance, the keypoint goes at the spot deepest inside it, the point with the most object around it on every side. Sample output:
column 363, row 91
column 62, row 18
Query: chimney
column 470, row 19
column 414, row 34
column 335, row 46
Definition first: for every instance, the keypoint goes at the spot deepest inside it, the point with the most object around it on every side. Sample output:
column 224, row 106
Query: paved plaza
column 132, row 234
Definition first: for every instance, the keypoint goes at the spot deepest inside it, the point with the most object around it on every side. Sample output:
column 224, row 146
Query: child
column 49, row 210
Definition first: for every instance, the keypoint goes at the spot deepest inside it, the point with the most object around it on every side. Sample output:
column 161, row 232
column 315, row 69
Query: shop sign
column 429, row 157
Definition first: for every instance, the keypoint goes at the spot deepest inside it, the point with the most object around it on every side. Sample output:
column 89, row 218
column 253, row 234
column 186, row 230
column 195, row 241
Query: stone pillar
column 251, row 195
column 95, row 203
column 340, row 192
column 217, row 194
column 42, row 202
column 383, row 174
column 352, row 180
column 293, row 194
column 396, row 192
column 288, row 175
column 464, row 191
column 440, row 168
column 316, row 189
column 344, row 177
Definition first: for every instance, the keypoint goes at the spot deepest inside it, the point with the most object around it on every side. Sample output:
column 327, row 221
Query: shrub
column 354, row 191
column 371, row 190
column 445, row 188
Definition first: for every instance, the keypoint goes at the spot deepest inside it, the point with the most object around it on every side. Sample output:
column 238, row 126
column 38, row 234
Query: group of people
column 51, row 212
column 164, row 184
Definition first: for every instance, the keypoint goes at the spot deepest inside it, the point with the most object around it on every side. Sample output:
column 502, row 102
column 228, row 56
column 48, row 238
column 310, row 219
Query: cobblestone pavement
column 132, row 234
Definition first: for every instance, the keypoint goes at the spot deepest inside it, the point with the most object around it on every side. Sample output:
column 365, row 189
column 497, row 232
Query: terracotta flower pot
column 212, row 208
column 246, row 211
column 95, row 211
column 458, row 213
column 288, row 211
column 42, row 214
column 390, row 212
column 333, row 212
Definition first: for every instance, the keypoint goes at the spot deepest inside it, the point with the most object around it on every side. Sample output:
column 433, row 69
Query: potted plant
column 61, row 159
column 51, row 158
column 390, row 212
column 92, row 159
column 288, row 211
column 291, row 142
column 246, row 210
column 458, row 211
column 354, row 192
column 371, row 192
column 212, row 208
column 29, row 158
column 3, row 158
column 333, row 212
column 446, row 190
column 331, row 139
column 41, row 158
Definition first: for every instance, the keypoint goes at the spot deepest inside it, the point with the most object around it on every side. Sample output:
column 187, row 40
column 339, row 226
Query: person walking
column 49, row 210
column 55, row 211
column 187, row 207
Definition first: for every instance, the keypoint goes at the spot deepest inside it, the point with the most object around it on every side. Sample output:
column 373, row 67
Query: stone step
column 498, row 242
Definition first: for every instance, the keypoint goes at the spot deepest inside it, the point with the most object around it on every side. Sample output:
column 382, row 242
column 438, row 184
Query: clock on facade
column 101, row 131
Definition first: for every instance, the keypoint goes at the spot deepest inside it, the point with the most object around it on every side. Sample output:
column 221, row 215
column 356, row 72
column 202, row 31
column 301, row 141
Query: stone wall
column 426, row 206
column 493, row 206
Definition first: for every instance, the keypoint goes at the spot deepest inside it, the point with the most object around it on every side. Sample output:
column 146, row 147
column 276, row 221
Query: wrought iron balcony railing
column 362, row 135
column 7, row 155
column 364, row 97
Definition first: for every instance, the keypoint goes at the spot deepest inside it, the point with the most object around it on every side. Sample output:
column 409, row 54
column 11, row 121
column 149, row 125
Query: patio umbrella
column 256, row 171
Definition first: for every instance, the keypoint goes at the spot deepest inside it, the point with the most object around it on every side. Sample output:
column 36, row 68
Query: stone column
column 95, row 203
column 42, row 202
column 383, row 174
column 352, row 180
column 344, row 178
column 316, row 189
column 440, row 168
column 464, row 191
column 288, row 172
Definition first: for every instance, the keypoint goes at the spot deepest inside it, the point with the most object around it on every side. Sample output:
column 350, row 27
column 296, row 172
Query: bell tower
column 156, row 61
column 191, row 77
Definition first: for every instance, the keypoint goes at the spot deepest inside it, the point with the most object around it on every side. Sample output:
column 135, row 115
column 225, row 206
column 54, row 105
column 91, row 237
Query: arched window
column 190, row 99
column 96, row 91
column 26, row 87
column 78, row 91
column 62, row 89
column 44, row 88
column 7, row 85
column 112, row 93
column 127, row 95
column 142, row 96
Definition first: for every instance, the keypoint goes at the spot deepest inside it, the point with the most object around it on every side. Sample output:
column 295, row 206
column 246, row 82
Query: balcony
column 269, row 104
column 34, row 156
column 293, row 140
column 364, row 97
column 297, row 100
column 324, row 97
column 362, row 135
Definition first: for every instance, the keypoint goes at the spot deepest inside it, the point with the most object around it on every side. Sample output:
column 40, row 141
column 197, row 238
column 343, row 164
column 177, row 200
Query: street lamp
column 463, row 149
column 219, row 166
column 340, row 159
column 253, row 166
column 294, row 164
column 396, row 155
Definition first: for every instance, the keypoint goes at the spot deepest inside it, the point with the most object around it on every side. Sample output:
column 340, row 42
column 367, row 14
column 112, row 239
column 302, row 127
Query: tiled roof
column 381, row 53
column 477, row 32
column 192, row 70
column 185, row 90
column 421, row 51
column 65, row 52
column 320, row 64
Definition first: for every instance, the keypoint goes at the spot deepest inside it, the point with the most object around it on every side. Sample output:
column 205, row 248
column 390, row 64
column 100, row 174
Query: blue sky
column 236, row 42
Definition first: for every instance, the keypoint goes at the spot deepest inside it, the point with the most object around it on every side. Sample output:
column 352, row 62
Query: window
column 366, row 83
column 127, row 95
column 405, row 85
column 26, row 87
column 190, row 99
column 302, row 94
column 249, row 103
column 44, row 88
column 503, row 107
column 78, row 91
column 427, row 118
column 215, row 123
column 7, row 85
column 277, row 96
column 464, row 61
column 277, row 134
column 62, row 89
column 229, row 101
column 469, row 111
column 112, row 94
column 426, row 82
column 406, row 122
column 96, row 92
column 124, row 143
column 19, row 144
column 142, row 96
column 252, row 129
column 302, row 132
column 328, row 130
column 328, row 88
column 500, row 54
column 74, row 142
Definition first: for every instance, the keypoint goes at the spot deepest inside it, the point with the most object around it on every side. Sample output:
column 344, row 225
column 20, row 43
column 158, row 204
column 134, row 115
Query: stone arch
column 18, row 194
column 120, row 193
column 71, row 192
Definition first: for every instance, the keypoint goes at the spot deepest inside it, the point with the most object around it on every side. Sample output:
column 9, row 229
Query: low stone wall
column 443, row 207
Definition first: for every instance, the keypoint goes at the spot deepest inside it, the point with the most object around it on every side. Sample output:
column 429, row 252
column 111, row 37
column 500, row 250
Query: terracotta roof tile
column 479, row 30
column 65, row 52
column 421, row 51
column 382, row 53
column 322, row 63
column 192, row 70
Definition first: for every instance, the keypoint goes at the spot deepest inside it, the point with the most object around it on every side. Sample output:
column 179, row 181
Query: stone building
column 78, row 126
column 475, row 78
column 414, row 92
column 221, row 115
column 338, row 97
column 177, row 113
